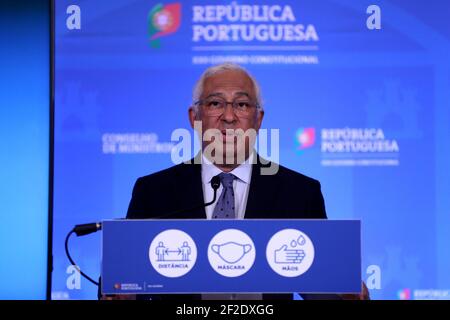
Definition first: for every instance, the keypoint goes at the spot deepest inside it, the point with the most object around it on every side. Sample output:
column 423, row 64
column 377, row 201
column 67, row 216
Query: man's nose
column 228, row 113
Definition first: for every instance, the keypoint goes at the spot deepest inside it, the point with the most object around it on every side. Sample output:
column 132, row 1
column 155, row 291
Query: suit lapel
column 261, row 197
column 191, row 195
column 260, row 201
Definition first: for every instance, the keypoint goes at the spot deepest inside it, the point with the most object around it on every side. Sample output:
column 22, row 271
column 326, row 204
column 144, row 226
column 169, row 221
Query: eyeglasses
column 215, row 106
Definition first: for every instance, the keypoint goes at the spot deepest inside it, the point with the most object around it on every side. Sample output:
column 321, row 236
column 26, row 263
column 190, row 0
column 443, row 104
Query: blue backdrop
column 25, row 142
column 360, row 95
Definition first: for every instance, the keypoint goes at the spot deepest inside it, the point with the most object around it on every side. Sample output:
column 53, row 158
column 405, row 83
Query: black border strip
column 51, row 4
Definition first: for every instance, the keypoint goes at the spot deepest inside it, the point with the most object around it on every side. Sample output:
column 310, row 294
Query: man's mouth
column 229, row 135
column 232, row 132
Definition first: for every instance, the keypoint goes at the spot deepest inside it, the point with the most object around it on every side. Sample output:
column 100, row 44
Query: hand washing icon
column 231, row 252
column 291, row 254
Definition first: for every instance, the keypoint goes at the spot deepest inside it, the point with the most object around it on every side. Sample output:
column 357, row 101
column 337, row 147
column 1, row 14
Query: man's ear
column 192, row 116
column 259, row 119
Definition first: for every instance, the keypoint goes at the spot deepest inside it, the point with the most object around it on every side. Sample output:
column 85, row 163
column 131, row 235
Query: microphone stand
column 88, row 228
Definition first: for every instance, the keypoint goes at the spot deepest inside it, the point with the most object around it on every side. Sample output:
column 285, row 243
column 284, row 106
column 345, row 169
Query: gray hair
column 227, row 66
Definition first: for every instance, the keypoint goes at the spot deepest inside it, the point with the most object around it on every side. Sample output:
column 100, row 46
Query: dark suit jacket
column 285, row 195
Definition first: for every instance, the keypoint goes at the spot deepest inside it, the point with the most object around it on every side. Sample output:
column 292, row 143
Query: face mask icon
column 231, row 252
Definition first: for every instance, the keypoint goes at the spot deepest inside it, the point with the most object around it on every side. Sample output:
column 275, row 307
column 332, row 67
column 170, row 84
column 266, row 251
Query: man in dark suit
column 173, row 191
column 227, row 102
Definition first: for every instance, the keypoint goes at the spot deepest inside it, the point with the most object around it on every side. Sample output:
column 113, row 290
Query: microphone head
column 215, row 182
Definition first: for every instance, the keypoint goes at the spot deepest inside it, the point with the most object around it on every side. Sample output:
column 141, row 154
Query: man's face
column 229, row 86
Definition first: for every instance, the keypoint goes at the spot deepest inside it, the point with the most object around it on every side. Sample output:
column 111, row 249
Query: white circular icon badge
column 172, row 253
column 290, row 253
column 231, row 253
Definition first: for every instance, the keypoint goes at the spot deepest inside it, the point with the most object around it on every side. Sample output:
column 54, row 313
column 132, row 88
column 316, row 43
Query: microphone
column 215, row 184
column 88, row 228
column 84, row 229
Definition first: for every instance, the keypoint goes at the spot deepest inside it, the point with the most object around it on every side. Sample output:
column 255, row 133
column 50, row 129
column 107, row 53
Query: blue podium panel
column 234, row 256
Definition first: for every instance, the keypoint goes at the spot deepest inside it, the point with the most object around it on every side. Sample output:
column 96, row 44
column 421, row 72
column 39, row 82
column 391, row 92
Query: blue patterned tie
column 225, row 205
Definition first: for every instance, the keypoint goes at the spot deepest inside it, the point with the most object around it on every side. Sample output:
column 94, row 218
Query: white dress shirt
column 241, row 185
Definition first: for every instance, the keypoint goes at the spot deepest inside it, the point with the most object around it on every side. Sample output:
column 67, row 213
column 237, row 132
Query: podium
column 231, row 256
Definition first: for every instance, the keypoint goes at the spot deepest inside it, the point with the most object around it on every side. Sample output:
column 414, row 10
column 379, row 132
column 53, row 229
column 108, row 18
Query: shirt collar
column 243, row 172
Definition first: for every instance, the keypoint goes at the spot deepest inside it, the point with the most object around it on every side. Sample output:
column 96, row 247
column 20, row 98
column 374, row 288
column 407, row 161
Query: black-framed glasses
column 215, row 106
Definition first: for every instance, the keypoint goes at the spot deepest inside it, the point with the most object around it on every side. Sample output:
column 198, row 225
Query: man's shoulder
column 177, row 171
column 163, row 192
column 290, row 193
column 286, row 175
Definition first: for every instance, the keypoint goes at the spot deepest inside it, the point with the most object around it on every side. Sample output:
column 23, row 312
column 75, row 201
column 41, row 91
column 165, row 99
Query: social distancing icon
column 172, row 253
